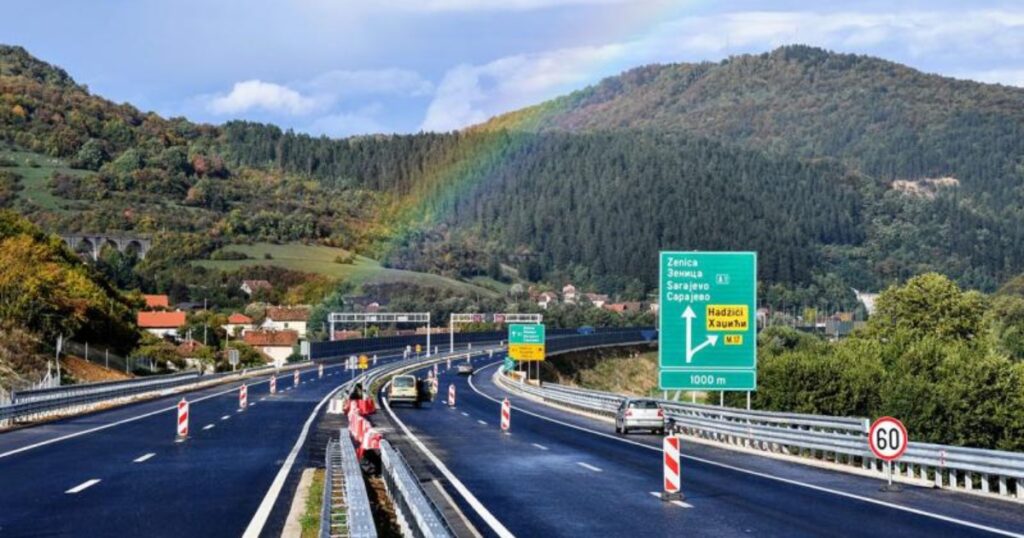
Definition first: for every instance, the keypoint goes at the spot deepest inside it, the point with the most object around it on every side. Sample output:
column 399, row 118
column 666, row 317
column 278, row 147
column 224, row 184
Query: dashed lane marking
column 144, row 457
column 482, row 422
column 588, row 466
column 83, row 486
column 542, row 447
column 208, row 427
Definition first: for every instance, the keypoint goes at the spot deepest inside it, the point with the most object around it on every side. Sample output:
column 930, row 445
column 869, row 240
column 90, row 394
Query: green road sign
column 509, row 364
column 707, row 321
column 526, row 342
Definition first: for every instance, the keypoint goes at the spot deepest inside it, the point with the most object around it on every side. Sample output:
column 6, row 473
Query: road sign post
column 888, row 440
column 707, row 308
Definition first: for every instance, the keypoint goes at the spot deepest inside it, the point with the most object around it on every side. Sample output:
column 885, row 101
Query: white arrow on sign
column 688, row 315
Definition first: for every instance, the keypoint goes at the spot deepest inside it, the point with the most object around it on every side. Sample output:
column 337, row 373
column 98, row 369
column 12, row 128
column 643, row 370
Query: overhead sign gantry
column 422, row 318
column 511, row 317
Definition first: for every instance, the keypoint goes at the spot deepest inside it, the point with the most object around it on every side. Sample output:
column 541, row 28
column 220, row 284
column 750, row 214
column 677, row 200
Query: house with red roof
column 275, row 345
column 237, row 324
column 154, row 302
column 161, row 324
column 281, row 318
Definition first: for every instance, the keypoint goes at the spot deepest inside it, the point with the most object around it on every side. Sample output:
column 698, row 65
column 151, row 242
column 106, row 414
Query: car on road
column 639, row 414
column 465, row 368
column 403, row 389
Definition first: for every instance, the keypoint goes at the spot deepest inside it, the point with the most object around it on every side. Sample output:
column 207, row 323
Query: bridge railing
column 840, row 442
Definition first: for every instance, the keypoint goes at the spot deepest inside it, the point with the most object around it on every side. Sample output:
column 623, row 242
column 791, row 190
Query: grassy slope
column 34, row 178
column 320, row 260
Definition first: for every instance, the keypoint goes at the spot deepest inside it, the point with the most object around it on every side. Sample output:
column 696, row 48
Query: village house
column 161, row 324
column 237, row 324
column 547, row 298
column 621, row 308
column 281, row 318
column 250, row 287
column 569, row 294
column 596, row 299
column 155, row 302
column 277, row 346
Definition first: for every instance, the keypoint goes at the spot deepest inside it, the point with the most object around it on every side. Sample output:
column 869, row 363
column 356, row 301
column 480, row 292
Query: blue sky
column 367, row 66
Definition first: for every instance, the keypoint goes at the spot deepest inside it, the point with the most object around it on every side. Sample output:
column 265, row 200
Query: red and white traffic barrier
column 451, row 395
column 273, row 384
column 243, row 396
column 369, row 441
column 671, row 488
column 320, row 371
column 182, row 420
column 506, row 415
column 295, row 379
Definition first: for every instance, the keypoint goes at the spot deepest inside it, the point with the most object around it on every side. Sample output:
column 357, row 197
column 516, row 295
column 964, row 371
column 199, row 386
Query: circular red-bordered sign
column 888, row 438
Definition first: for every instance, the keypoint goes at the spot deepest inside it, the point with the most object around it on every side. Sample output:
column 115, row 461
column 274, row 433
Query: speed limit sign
column 888, row 438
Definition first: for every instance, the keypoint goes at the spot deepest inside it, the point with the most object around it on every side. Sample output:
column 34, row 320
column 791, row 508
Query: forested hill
column 791, row 153
column 887, row 119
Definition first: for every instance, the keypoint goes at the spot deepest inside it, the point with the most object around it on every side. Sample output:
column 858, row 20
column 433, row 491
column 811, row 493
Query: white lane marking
column 822, row 489
column 588, row 466
column 84, row 485
column 252, row 404
column 259, row 519
column 471, row 499
column 680, row 504
column 263, row 398
column 465, row 414
column 542, row 447
column 208, row 427
column 233, row 390
column 225, row 417
column 482, row 422
column 144, row 457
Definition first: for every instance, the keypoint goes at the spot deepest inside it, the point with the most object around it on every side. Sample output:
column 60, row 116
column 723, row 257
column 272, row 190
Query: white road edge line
column 144, row 457
column 471, row 499
column 822, row 489
column 259, row 519
column 589, row 466
column 83, row 485
column 233, row 390
column 542, row 447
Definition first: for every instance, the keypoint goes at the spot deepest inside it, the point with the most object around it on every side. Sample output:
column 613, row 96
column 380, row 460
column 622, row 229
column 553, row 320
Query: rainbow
column 441, row 185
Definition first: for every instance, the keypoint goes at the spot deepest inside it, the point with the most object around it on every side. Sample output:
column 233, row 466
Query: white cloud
column 267, row 96
column 469, row 94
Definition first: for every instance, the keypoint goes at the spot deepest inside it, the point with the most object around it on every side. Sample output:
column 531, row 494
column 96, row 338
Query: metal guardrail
column 345, row 507
column 838, row 440
column 417, row 515
column 45, row 403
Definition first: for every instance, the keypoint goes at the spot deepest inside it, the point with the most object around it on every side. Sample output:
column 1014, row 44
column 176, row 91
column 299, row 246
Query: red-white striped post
column 243, row 396
column 182, row 420
column 451, row 395
column 273, row 384
column 295, row 379
column 435, row 369
column 671, row 490
column 506, row 415
column 320, row 371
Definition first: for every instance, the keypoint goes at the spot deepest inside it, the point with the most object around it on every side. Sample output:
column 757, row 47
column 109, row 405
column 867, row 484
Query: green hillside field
column 320, row 260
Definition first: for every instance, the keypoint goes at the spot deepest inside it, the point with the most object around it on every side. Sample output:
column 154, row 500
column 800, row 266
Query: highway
column 560, row 474
column 121, row 473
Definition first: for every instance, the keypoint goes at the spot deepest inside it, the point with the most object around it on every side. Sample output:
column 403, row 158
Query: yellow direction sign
column 526, row 352
column 363, row 362
column 418, row 348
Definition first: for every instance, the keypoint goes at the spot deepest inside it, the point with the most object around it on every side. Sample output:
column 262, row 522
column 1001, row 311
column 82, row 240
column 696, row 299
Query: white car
column 465, row 368
column 639, row 414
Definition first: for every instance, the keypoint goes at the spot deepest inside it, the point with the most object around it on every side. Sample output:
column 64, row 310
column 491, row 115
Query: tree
column 928, row 305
